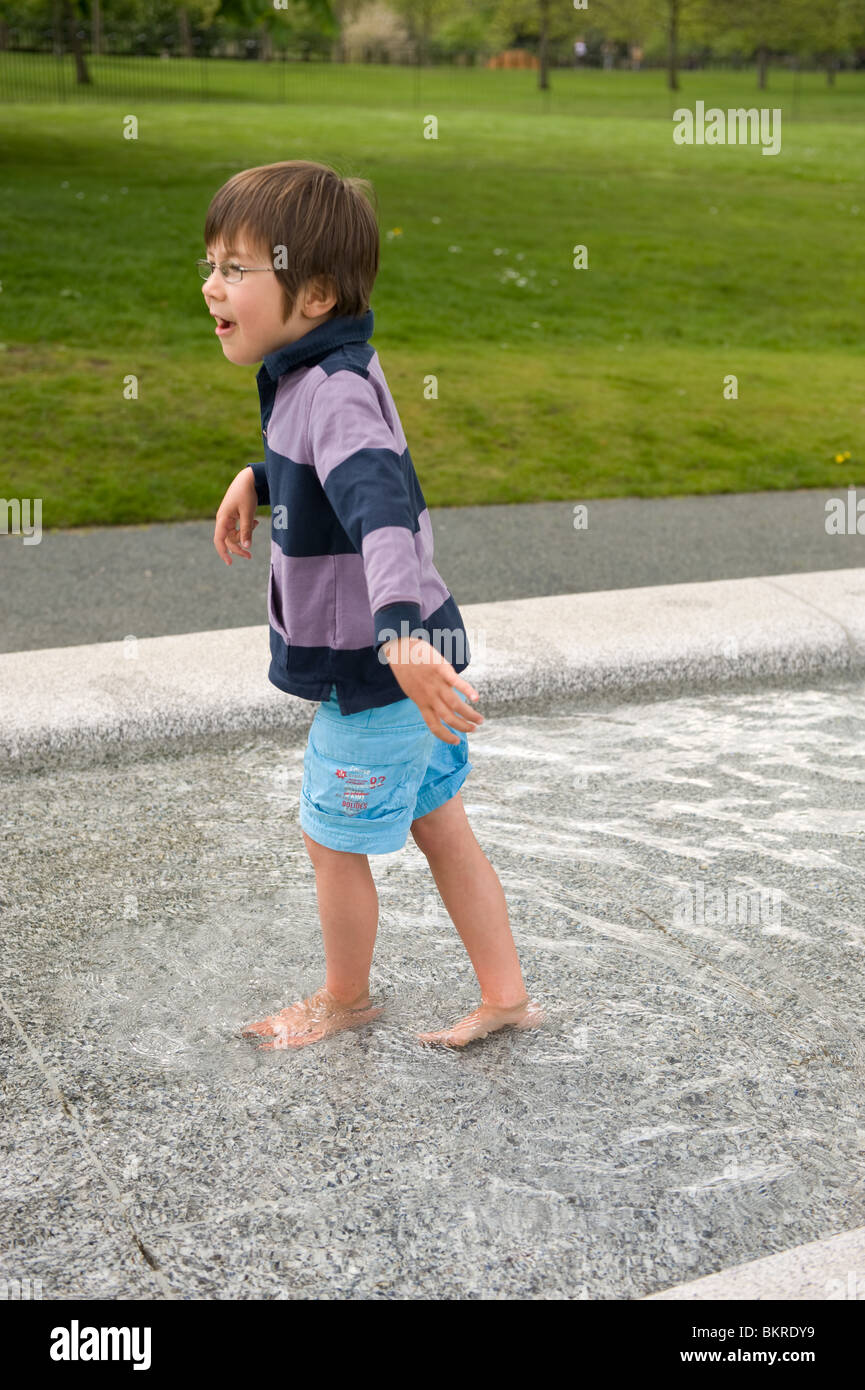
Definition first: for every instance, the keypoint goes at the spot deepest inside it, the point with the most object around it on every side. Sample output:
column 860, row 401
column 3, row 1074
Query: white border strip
column 615, row 641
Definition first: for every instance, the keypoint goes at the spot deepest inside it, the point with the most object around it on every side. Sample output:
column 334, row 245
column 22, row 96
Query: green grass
column 589, row 91
column 703, row 262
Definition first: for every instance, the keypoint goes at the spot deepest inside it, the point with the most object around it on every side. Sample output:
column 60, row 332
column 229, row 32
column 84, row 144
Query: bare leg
column 348, row 908
column 474, row 897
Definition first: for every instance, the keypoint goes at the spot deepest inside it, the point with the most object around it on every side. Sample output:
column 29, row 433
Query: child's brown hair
column 326, row 223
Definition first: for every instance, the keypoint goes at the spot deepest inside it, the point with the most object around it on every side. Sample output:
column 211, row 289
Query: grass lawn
column 553, row 383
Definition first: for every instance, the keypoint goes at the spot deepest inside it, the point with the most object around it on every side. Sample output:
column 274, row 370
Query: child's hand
column 425, row 677
column 235, row 520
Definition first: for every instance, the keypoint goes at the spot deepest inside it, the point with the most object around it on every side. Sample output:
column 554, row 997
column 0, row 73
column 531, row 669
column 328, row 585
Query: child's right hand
column 235, row 520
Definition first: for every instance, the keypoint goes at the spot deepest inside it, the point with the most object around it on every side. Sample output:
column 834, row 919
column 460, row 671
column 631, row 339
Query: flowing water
column 685, row 884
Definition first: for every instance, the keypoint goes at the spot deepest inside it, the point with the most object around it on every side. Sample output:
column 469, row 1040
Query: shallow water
column 685, row 882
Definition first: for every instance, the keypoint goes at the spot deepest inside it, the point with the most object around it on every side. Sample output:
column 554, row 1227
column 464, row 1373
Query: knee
column 443, row 831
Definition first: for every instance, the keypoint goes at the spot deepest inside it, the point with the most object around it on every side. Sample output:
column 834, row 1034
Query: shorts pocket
column 367, row 775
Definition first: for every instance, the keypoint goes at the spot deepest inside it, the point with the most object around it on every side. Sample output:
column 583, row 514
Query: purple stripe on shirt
column 391, row 566
column 286, row 428
column 344, row 419
column 303, row 595
column 386, row 402
column 433, row 589
column 307, row 587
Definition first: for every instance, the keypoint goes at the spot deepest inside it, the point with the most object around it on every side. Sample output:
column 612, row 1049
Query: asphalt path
column 104, row 584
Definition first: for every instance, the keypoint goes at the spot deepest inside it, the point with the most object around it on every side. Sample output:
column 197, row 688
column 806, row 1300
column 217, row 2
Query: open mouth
column 223, row 325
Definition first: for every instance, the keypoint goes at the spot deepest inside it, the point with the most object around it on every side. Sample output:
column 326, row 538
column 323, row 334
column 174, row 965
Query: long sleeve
column 260, row 478
column 364, row 477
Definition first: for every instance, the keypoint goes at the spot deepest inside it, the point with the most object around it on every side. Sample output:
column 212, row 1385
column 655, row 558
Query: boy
column 358, row 613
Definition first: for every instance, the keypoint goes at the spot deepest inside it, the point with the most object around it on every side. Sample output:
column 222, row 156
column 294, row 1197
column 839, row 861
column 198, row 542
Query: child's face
column 254, row 306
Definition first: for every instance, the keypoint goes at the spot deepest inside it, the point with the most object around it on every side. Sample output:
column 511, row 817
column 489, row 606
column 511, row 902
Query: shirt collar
column 318, row 342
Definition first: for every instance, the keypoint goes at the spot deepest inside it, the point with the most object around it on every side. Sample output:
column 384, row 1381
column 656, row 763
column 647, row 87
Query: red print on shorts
column 359, row 782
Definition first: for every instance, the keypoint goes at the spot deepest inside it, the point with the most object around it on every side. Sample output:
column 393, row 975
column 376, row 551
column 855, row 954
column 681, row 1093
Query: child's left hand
column 427, row 678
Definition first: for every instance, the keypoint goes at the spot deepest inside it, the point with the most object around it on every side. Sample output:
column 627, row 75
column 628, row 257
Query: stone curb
column 95, row 701
column 831, row 1268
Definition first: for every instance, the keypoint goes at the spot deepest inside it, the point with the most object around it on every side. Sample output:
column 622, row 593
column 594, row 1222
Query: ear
column 320, row 295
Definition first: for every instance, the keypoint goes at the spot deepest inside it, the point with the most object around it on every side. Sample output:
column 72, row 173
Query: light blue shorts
column 367, row 776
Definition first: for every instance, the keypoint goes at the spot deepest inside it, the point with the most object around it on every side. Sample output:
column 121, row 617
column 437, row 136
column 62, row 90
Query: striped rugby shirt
column 351, row 549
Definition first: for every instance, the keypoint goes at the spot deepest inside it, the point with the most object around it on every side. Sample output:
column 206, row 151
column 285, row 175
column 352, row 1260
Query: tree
column 840, row 25
column 420, row 18
column 765, row 26
column 377, row 33
column 634, row 20
column 548, row 21
column 72, row 20
column 279, row 22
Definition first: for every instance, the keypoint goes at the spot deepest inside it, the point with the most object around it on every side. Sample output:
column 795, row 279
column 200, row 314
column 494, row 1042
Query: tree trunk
column 185, row 33
column 831, row 69
column 338, row 53
column 82, row 76
column 543, row 80
column 762, row 66
column 673, row 55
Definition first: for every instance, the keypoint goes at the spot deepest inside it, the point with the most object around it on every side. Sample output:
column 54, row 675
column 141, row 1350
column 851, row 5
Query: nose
column 209, row 288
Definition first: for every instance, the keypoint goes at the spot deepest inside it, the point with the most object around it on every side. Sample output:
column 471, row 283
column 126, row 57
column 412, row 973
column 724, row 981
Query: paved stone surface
column 100, row 585
column 685, row 883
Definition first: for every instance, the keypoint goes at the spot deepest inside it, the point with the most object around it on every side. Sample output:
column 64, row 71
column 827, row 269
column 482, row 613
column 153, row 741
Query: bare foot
column 307, row 1022
column 487, row 1019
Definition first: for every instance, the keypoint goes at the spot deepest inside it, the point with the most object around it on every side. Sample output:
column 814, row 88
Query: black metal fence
column 59, row 64
column 72, row 64
column 39, row 74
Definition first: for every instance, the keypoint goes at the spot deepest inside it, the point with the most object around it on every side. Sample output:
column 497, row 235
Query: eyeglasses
column 229, row 270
